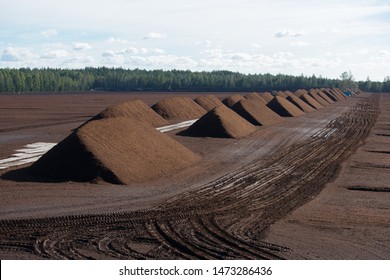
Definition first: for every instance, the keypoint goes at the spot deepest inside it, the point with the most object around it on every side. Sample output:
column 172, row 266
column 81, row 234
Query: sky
column 250, row 36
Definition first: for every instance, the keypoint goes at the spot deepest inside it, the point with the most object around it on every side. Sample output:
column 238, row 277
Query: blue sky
column 250, row 36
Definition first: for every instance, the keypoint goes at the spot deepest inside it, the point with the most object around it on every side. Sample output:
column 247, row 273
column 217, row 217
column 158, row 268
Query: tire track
column 224, row 219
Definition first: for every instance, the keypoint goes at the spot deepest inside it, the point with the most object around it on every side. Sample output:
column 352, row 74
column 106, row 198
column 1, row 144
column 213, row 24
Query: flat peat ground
column 314, row 186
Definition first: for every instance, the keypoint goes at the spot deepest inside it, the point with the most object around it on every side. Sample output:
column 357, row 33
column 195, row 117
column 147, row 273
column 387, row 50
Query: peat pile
column 311, row 101
column 300, row 103
column 318, row 98
column 231, row 100
column 325, row 96
column 221, row 122
column 330, row 94
column 179, row 108
column 267, row 96
column 284, row 108
column 300, row 92
column 119, row 151
column 133, row 109
column 282, row 94
column 256, row 112
column 255, row 96
column 208, row 102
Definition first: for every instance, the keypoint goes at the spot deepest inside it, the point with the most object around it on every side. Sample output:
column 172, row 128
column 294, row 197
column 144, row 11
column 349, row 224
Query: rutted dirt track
column 226, row 218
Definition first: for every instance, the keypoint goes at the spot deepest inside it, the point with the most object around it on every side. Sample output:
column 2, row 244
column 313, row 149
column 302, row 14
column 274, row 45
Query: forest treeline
column 26, row 80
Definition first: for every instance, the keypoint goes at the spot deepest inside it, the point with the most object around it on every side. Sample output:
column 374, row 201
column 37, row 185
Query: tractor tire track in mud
column 225, row 219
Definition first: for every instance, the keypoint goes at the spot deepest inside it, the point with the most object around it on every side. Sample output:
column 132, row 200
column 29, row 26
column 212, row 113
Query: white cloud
column 49, row 33
column 81, row 46
column 55, row 54
column 155, row 35
column 113, row 40
column 158, row 51
column 383, row 53
column 287, row 33
column 256, row 46
column 299, row 44
column 206, row 43
column 16, row 54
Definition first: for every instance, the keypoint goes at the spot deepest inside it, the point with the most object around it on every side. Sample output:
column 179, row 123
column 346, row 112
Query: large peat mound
column 179, row 108
column 284, row 108
column 256, row 112
column 300, row 103
column 208, row 102
column 221, row 122
column 134, row 109
column 120, row 151
column 231, row 100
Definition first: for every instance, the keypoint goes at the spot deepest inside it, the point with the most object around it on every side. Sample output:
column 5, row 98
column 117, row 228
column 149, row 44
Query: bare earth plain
column 311, row 187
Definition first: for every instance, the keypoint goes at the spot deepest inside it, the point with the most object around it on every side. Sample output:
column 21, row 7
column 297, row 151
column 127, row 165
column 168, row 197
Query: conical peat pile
column 311, row 101
column 300, row 92
column 324, row 96
column 267, row 96
column 208, row 102
column 284, row 108
column 134, row 109
column 256, row 112
column 300, row 103
column 282, row 94
column 120, row 151
column 256, row 96
column 318, row 98
column 231, row 100
column 330, row 94
column 339, row 93
column 179, row 108
column 220, row 122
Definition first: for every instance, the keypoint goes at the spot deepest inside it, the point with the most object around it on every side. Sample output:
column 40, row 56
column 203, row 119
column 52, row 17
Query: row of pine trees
column 26, row 80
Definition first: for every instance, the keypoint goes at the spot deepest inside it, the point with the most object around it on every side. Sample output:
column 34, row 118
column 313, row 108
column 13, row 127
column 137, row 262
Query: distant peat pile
column 133, row 109
column 208, row 102
column 256, row 112
column 231, row 100
column 256, row 96
column 284, row 107
column 221, row 122
column 311, row 101
column 179, row 109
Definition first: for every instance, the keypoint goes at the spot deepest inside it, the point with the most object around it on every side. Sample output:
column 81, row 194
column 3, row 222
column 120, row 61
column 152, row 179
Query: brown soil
column 267, row 96
column 352, row 214
column 255, row 96
column 231, row 100
column 300, row 103
column 221, row 122
column 284, row 107
column 225, row 205
column 117, row 150
column 208, row 102
column 311, row 101
column 133, row 109
column 179, row 109
column 256, row 112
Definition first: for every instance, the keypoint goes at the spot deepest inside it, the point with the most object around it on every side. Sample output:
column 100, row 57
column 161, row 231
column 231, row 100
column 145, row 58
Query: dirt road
column 227, row 213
